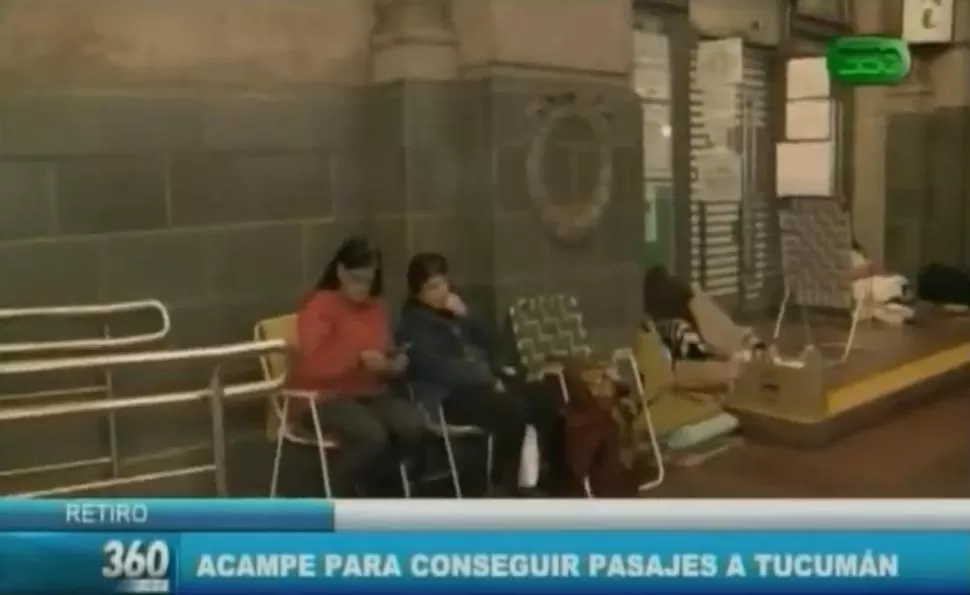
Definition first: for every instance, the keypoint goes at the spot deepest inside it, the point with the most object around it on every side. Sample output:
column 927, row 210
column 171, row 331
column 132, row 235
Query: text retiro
column 865, row 564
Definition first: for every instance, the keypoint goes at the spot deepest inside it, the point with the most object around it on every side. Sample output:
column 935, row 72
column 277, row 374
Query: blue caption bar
column 488, row 562
column 577, row 562
column 168, row 514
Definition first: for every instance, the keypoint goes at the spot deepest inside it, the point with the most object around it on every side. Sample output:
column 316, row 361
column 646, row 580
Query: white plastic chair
column 440, row 428
column 278, row 425
column 324, row 445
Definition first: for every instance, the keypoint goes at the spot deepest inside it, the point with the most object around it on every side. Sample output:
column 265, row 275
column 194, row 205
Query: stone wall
column 211, row 154
column 912, row 196
column 223, row 206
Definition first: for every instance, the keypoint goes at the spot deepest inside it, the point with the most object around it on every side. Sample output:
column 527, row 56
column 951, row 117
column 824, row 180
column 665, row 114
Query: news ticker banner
column 253, row 515
column 561, row 562
column 233, row 546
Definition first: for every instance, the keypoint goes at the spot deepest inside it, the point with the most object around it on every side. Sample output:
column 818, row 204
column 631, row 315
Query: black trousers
column 375, row 434
column 505, row 416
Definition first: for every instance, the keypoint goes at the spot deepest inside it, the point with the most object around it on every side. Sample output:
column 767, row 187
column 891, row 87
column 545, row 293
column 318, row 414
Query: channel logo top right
column 868, row 60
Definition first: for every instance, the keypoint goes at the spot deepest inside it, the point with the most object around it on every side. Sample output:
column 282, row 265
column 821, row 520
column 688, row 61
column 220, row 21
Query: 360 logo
column 868, row 60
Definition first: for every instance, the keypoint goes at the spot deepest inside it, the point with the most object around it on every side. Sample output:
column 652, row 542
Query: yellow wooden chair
column 278, row 428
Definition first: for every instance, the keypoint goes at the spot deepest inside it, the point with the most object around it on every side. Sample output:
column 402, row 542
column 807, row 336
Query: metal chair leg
column 322, row 450
column 450, row 453
column 278, row 457
column 782, row 310
column 405, row 482
column 489, row 461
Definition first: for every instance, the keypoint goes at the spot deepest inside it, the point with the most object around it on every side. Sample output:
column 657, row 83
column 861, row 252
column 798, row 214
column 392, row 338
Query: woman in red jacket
column 345, row 355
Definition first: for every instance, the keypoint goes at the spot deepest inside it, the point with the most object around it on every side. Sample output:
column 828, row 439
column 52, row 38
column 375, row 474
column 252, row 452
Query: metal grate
column 734, row 243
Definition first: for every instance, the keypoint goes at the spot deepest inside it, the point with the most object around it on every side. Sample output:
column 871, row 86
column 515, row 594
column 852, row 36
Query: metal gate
column 734, row 250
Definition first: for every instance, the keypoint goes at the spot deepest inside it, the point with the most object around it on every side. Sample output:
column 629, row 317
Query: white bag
column 529, row 464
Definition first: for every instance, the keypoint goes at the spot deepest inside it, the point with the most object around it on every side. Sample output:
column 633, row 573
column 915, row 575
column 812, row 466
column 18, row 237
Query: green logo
column 868, row 60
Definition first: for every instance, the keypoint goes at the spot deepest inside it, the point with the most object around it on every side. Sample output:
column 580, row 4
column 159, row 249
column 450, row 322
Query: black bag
column 942, row 284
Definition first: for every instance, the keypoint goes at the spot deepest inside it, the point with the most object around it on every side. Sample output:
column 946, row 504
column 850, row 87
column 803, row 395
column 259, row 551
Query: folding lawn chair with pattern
column 549, row 328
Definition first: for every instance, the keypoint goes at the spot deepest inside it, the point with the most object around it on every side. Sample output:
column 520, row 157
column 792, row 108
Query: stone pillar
column 552, row 187
column 413, row 39
column 409, row 163
column 947, row 205
column 926, row 136
column 869, row 189
column 757, row 21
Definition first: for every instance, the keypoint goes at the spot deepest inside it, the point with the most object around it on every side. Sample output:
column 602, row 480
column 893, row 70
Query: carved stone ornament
column 570, row 221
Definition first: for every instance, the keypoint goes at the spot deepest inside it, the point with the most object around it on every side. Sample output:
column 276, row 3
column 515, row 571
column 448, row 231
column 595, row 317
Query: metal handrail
column 216, row 394
column 113, row 360
column 84, row 311
column 55, row 409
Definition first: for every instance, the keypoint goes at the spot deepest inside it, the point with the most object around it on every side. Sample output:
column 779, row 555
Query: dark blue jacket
column 447, row 353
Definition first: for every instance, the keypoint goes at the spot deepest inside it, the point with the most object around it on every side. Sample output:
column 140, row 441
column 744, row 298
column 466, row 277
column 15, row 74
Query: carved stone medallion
column 570, row 219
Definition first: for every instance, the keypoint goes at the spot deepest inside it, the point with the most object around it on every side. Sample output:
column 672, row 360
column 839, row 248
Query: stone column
column 410, row 161
column 869, row 183
column 552, row 183
column 413, row 39
column 947, row 207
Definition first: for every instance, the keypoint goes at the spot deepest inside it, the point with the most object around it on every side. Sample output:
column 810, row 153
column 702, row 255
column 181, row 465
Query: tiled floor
column 923, row 452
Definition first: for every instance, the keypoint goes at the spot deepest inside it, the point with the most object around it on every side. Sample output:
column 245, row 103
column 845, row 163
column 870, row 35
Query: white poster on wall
column 718, row 103
column 657, row 142
column 807, row 78
column 805, row 168
column 808, row 119
column 720, row 62
column 652, row 81
column 650, row 213
column 717, row 175
column 650, row 48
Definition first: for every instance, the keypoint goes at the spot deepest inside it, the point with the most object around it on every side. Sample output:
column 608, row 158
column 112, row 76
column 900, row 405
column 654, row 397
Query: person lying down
column 884, row 297
column 707, row 349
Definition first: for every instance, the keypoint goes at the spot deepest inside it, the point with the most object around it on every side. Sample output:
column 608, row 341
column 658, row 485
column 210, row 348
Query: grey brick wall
column 223, row 206
column 227, row 206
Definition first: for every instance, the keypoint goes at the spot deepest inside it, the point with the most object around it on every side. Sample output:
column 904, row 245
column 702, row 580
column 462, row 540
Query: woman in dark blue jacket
column 453, row 361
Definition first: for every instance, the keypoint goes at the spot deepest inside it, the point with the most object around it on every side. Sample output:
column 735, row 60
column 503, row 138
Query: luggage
column 603, row 439
column 941, row 284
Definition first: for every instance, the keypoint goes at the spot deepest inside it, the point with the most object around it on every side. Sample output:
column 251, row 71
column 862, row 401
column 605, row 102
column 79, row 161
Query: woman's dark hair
column 423, row 267
column 666, row 297
column 357, row 252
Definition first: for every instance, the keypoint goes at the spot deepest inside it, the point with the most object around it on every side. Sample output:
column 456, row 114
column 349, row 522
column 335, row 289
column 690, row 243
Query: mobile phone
column 399, row 349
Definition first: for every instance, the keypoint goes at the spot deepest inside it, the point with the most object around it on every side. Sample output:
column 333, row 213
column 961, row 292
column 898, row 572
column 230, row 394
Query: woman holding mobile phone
column 454, row 359
column 344, row 354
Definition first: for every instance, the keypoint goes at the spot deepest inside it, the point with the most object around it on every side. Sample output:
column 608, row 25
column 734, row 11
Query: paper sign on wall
column 807, row 78
column 717, row 175
column 808, row 119
column 928, row 21
column 720, row 62
column 805, row 168
column 651, row 65
column 657, row 142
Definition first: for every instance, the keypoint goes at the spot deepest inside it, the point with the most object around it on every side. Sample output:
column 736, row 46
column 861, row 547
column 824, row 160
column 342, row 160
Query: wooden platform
column 890, row 368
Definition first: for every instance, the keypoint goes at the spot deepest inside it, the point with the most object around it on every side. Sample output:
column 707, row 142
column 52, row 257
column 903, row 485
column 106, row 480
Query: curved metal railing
column 216, row 393
column 82, row 311
column 104, row 387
